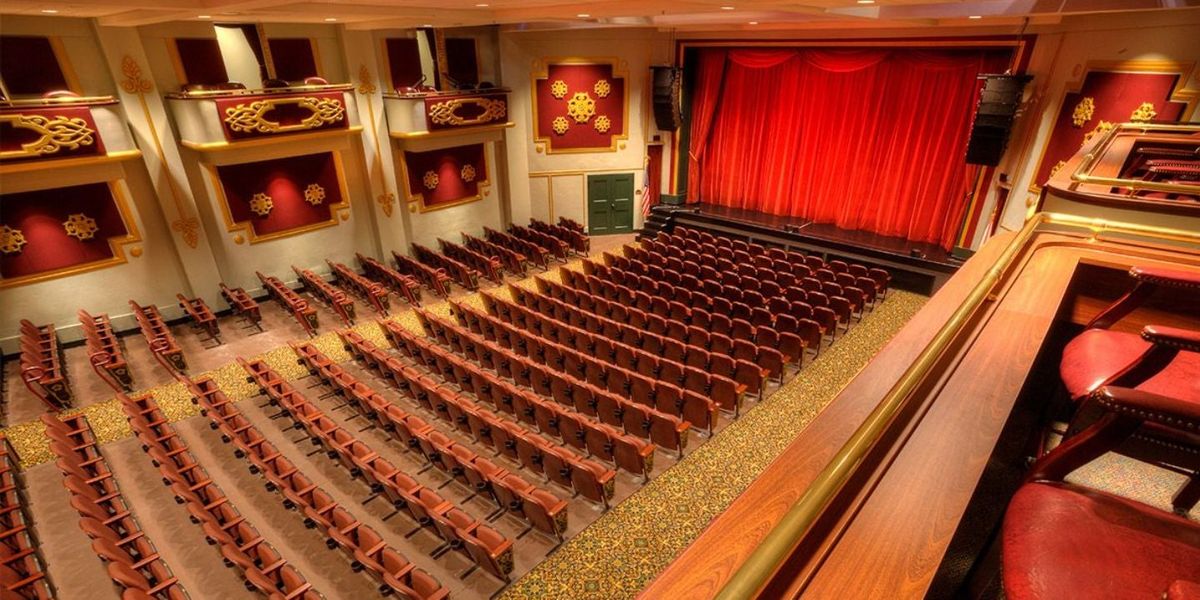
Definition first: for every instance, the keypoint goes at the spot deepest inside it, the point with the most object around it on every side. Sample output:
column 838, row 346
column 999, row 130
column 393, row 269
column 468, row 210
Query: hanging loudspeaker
column 666, row 82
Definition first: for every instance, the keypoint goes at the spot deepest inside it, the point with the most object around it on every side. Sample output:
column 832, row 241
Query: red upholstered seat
column 1065, row 541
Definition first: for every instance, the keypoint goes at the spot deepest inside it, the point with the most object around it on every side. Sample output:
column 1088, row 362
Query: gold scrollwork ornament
column 602, row 88
column 1083, row 111
column 1100, row 129
column 560, row 125
column 252, row 117
column 602, row 124
column 1143, row 113
column 314, row 194
column 11, row 240
column 54, row 134
column 81, row 227
column 261, row 204
column 446, row 113
column 467, row 173
column 430, row 180
column 581, row 107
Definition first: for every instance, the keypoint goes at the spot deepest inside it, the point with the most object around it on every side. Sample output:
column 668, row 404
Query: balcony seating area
column 106, row 351
column 541, row 509
column 22, row 566
column 373, row 293
column 158, row 335
column 130, row 557
column 322, row 290
column 483, row 544
column 404, row 286
column 202, row 316
column 1062, row 538
column 43, row 370
column 235, row 537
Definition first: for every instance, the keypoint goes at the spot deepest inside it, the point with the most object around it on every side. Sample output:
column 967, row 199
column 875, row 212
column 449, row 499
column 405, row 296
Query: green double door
column 610, row 203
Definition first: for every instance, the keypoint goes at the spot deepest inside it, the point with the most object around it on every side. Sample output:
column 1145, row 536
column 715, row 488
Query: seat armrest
column 1149, row 406
column 1167, row 277
column 1172, row 337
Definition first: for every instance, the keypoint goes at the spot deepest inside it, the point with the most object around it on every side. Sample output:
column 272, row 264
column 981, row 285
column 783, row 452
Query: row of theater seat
column 43, row 367
column 106, row 351
column 487, row 266
column 364, row 547
column 535, row 254
column 238, row 540
column 574, row 238
column 203, row 318
column 130, row 557
column 1062, row 539
column 487, row 547
column 514, row 262
column 585, row 477
column 22, row 567
column 554, row 246
column 572, row 378
column 371, row 292
column 437, row 280
column 243, row 305
column 402, row 285
column 290, row 301
column 508, row 491
column 335, row 299
column 158, row 335
column 459, row 273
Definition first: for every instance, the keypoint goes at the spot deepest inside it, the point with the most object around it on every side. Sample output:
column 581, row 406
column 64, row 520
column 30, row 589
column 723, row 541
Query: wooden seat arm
column 1172, row 337
column 1167, row 277
column 1148, row 406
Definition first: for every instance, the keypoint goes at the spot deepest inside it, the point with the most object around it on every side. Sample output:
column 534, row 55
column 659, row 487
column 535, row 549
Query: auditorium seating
column 535, row 254
column 403, row 285
column 236, row 538
column 365, row 549
column 374, row 294
column 244, row 306
column 304, row 314
column 540, row 508
column 459, row 273
column 513, row 261
column 575, row 239
column 201, row 315
column 485, row 265
column 436, row 280
column 547, row 242
column 22, row 566
column 484, row 545
column 573, row 378
column 572, row 225
column 1063, row 540
column 43, row 370
column 129, row 555
column 158, row 335
column 105, row 351
column 588, row 478
column 322, row 290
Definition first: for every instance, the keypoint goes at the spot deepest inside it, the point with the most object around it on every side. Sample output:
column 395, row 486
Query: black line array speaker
column 994, row 117
column 666, row 82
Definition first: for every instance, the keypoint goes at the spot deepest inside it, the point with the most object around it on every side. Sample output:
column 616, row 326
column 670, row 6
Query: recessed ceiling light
column 754, row 22
column 975, row 17
column 583, row 15
column 726, row 8
column 866, row 1
column 330, row 19
column 204, row 17
column 481, row 5
column 427, row 26
column 49, row 11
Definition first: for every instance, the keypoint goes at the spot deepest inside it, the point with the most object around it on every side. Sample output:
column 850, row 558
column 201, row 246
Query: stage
column 918, row 266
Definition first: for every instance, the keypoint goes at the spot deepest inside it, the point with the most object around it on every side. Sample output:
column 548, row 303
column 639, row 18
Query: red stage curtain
column 869, row 139
column 710, row 71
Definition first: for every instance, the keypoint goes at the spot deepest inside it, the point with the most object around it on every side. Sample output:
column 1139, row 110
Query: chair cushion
column 1096, row 356
column 1066, row 541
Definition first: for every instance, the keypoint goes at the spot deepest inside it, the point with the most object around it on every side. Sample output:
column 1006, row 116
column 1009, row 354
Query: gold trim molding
column 266, row 141
column 55, row 134
column 252, row 117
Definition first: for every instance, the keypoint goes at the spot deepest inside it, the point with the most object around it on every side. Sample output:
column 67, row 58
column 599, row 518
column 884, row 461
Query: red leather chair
column 1164, row 360
column 1062, row 540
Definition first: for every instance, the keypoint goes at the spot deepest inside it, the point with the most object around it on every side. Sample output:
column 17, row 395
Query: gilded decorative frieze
column 314, row 194
column 1144, row 112
column 11, row 240
column 81, row 227
column 252, row 117
column 1083, row 111
column 55, row 134
column 446, row 113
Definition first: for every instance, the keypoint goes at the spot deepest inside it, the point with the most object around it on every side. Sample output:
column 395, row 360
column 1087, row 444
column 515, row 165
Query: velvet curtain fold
column 710, row 71
column 871, row 139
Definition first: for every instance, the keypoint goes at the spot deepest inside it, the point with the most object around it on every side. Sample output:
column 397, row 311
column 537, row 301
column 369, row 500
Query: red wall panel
column 284, row 180
column 583, row 134
column 39, row 216
column 448, row 165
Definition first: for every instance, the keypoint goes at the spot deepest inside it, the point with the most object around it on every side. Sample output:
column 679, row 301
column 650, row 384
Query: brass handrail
column 758, row 568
